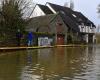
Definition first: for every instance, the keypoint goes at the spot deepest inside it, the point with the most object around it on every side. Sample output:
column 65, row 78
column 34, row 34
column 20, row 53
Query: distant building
column 78, row 27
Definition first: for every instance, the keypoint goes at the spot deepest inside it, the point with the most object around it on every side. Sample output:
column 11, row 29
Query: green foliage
column 11, row 14
column 12, row 19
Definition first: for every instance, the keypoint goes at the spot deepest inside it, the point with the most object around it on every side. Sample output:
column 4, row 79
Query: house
column 86, row 27
column 79, row 27
column 49, row 29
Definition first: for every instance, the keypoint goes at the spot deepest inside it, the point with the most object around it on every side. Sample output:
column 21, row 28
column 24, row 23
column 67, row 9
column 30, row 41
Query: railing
column 87, row 29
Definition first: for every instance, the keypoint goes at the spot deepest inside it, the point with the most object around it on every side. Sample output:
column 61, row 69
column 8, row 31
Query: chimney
column 69, row 4
column 66, row 4
column 72, row 4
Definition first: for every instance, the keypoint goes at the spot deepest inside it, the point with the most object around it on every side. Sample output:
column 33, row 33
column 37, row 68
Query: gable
column 58, row 24
column 49, row 24
column 86, row 21
column 37, row 12
column 40, row 23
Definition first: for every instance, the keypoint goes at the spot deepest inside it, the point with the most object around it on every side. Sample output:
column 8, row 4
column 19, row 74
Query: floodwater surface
column 61, row 63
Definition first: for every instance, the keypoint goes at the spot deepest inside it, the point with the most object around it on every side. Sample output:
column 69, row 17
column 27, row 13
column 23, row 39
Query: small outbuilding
column 49, row 29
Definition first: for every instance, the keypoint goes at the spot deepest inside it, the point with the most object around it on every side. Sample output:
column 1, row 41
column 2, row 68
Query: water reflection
column 29, row 68
column 61, row 63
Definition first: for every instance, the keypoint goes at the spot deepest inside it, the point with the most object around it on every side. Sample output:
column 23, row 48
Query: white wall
column 37, row 12
column 94, row 37
column 87, row 29
column 44, row 41
column 86, row 37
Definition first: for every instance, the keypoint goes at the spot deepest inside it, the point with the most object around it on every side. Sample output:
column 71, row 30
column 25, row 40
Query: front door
column 60, row 39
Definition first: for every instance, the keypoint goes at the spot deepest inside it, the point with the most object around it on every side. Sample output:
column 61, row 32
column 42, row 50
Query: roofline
column 50, row 7
column 33, row 10
column 57, row 5
column 35, row 7
column 40, row 4
column 47, row 3
column 43, row 16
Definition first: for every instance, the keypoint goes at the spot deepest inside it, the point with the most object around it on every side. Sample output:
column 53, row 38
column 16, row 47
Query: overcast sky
column 87, row 7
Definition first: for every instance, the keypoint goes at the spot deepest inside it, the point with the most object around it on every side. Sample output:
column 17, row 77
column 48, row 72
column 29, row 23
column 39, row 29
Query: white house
column 78, row 22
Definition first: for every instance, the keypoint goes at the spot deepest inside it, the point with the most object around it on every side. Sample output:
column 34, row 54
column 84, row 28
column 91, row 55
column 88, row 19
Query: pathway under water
column 61, row 63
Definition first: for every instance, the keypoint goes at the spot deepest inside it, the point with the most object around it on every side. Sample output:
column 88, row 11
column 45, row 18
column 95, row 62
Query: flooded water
column 62, row 63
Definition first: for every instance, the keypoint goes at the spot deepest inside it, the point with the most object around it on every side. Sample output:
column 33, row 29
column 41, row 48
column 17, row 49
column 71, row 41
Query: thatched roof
column 40, row 24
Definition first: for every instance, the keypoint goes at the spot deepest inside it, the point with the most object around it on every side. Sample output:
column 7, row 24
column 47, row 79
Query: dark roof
column 69, row 22
column 45, row 9
column 84, row 19
column 77, row 17
column 66, row 14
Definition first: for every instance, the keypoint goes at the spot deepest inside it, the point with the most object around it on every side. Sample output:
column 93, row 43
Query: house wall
column 37, row 12
column 87, row 29
column 50, row 28
column 86, row 38
column 44, row 41
column 89, row 38
column 89, row 32
column 94, row 38
column 53, row 27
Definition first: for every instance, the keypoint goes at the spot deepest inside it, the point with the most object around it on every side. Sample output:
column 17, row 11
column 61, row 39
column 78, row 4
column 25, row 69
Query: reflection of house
column 67, row 25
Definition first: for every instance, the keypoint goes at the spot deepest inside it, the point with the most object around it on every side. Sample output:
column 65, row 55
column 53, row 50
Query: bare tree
column 13, row 12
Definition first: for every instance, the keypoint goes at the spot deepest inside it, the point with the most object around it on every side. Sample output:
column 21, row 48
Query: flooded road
column 61, row 63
